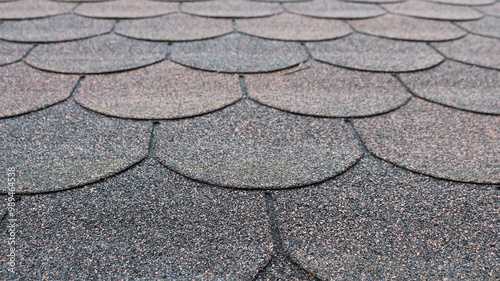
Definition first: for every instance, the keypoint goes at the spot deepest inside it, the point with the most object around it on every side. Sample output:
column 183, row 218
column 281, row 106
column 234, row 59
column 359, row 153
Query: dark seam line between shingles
column 234, row 25
column 179, row 7
column 273, row 225
column 243, row 87
column 112, row 31
column 365, row 150
column 309, row 55
column 279, row 250
column 29, row 51
column 75, row 7
column 73, row 91
column 456, row 60
column 3, row 220
column 261, row 271
column 152, row 140
column 417, row 96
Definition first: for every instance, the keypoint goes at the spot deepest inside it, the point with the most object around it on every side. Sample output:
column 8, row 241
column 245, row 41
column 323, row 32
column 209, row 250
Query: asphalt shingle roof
column 250, row 140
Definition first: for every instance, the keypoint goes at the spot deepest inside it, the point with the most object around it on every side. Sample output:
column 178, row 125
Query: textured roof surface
column 250, row 140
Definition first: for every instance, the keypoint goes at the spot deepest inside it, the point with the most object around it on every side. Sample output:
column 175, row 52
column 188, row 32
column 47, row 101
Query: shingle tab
column 487, row 26
column 174, row 27
column 407, row 28
column 294, row 28
column 173, row 91
column 438, row 141
column 473, row 49
column 334, row 9
column 237, row 53
column 54, row 29
column 370, row 53
column 108, row 53
column 430, row 10
column 30, row 9
column 66, row 146
column 329, row 91
column 232, row 9
column 458, row 85
column 125, row 9
column 24, row 89
column 250, row 146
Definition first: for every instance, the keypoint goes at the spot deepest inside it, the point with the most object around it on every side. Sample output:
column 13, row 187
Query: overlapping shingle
column 232, row 9
column 381, row 222
column 334, row 9
column 438, row 141
column 294, row 28
column 487, row 26
column 24, row 89
column 491, row 10
column 125, row 9
column 66, row 146
column 54, row 29
column 11, row 52
column 473, row 49
column 407, row 28
column 280, row 268
column 173, row 91
column 101, row 54
column 251, row 146
column 144, row 224
column 375, row 54
column 325, row 90
column 464, row 2
column 174, row 27
column 30, row 9
column 428, row 10
column 458, row 85
column 237, row 53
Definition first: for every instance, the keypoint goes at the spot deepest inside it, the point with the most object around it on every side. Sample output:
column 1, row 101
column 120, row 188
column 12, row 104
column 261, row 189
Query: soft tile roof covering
column 250, row 139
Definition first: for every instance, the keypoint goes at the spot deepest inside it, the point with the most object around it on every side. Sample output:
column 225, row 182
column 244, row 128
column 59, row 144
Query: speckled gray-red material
column 379, row 222
column 125, row 9
column 491, row 10
column 250, row 146
column 407, row 28
column 458, row 85
column 428, row 10
column 473, row 49
column 143, row 224
column 374, row 1
column 232, row 9
column 239, row 53
column 334, row 9
column 281, row 268
column 487, row 26
column 326, row 90
column 174, row 27
column 66, row 146
column 30, row 9
column 464, row 2
column 102, row 54
column 363, row 52
column 293, row 28
column 173, row 91
column 436, row 140
column 54, row 29
column 11, row 52
column 18, row 95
